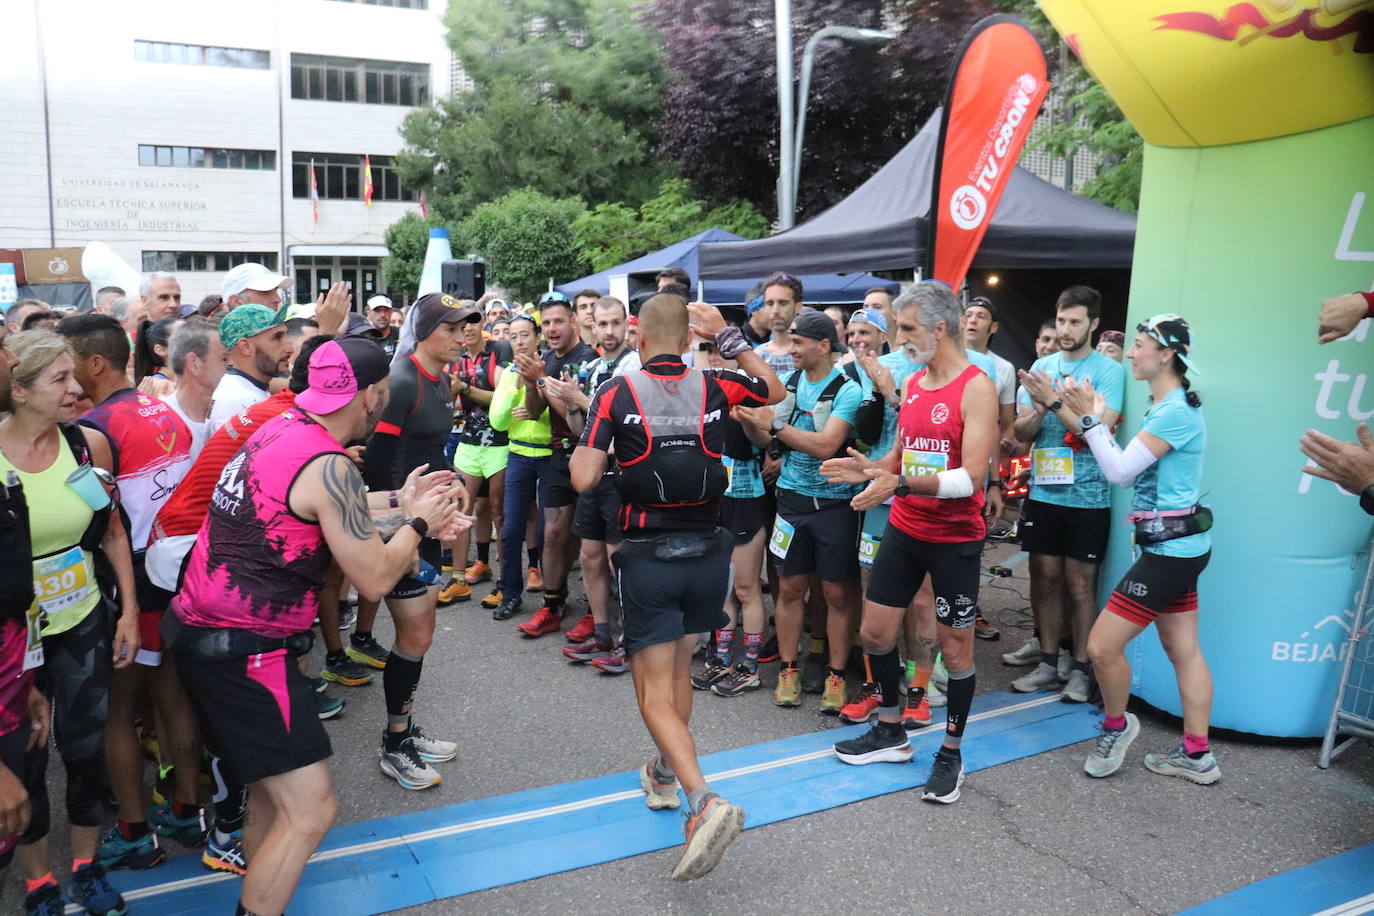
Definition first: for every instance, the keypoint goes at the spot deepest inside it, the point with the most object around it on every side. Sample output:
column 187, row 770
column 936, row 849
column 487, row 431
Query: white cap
column 379, row 302
column 251, row 276
column 300, row 310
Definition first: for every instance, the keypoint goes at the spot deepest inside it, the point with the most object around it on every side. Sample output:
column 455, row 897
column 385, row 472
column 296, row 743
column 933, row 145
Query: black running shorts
column 597, row 516
column 558, row 488
column 823, row 537
column 744, row 518
column 903, row 562
column 431, row 552
column 664, row 597
column 1060, row 531
column 1157, row 585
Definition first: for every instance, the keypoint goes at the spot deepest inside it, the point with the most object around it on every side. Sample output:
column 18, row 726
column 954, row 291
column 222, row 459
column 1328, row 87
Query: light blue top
column 780, row 363
column 1175, row 481
column 800, row 472
column 1089, row 489
column 746, row 478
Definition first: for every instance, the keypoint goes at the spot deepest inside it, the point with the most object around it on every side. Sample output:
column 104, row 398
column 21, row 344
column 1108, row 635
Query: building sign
column 126, row 205
column 53, row 265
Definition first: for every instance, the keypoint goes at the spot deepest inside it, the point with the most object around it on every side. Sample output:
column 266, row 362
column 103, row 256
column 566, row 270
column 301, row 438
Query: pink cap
column 339, row 370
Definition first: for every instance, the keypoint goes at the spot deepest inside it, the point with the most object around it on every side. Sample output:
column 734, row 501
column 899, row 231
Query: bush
column 525, row 238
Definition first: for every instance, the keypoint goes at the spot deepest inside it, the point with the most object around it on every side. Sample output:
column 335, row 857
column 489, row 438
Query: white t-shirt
column 1006, row 379
column 200, row 431
column 234, row 394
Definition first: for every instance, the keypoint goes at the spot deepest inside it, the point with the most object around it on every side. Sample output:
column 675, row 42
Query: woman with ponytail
column 150, row 356
column 1164, row 465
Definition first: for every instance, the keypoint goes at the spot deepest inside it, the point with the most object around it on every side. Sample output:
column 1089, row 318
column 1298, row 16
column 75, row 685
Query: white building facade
column 182, row 134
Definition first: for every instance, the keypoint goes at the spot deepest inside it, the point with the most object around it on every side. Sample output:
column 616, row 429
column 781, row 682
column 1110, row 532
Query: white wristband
column 954, row 484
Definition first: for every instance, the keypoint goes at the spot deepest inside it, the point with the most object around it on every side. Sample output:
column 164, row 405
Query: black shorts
column 664, row 597
column 903, row 562
column 824, row 537
column 744, row 518
column 258, row 713
column 431, row 552
column 596, row 517
column 1157, row 585
column 558, row 488
column 30, row 767
column 1060, row 531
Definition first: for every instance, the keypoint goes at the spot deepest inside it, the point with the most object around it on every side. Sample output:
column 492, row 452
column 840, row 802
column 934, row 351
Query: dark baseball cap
column 434, row 309
column 816, row 325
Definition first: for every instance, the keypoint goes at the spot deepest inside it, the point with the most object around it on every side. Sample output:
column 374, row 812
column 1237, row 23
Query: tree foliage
column 407, row 240
column 611, row 234
column 525, row 238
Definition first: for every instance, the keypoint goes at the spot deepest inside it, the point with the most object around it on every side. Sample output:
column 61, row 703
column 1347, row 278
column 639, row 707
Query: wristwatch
column 420, row 525
column 1054, row 408
column 903, row 488
column 777, row 425
column 1087, row 422
column 1367, row 499
column 995, row 483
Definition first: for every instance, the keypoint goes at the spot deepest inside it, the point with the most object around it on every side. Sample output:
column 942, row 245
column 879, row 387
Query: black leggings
column 77, row 667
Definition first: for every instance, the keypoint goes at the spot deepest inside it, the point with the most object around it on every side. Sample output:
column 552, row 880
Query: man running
column 673, row 567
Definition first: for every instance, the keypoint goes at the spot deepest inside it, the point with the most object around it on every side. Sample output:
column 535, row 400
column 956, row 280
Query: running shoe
column 769, row 651
column 345, row 671
column 492, row 601
column 1027, row 655
column 90, row 889
column 832, row 700
column 1203, row 771
column 432, row 750
column 116, row 852
column 708, row 834
column 788, row 692
column 879, row 744
column 863, row 707
column 582, row 630
column 1109, row 750
column 813, row 672
column 456, row 590
column 164, row 784
column 613, row 662
column 507, row 609
column 946, row 776
column 326, row 706
column 916, row 716
column 716, row 669
column 348, row 615
column 1076, row 690
column 935, row 696
column 477, row 572
column 588, row 649
column 1064, row 665
column 534, row 582
column 367, row 651
column 408, row 768
column 982, row 629
column 318, row 684
column 544, row 621
column 47, row 901
column 227, row 856
column 658, row 795
column 188, row 831
column 740, row 679
column 1042, row 677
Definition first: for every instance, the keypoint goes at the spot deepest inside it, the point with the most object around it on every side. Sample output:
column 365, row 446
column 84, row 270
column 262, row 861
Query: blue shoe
column 326, row 706
column 46, row 901
column 116, row 852
column 91, row 889
column 225, row 856
column 188, row 831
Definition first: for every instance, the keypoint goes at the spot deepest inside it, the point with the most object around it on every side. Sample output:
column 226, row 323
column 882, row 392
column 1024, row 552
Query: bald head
column 663, row 325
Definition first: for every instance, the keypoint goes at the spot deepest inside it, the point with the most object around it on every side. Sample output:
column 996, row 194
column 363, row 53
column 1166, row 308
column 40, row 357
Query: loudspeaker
column 463, row 279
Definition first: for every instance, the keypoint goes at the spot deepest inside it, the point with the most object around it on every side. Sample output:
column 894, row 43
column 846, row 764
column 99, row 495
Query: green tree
column 610, row 234
column 407, row 240
column 525, row 238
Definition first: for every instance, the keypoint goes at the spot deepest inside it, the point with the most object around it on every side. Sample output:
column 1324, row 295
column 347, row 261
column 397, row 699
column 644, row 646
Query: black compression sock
column 400, row 678
column 484, row 552
column 960, row 694
column 533, row 555
column 887, row 673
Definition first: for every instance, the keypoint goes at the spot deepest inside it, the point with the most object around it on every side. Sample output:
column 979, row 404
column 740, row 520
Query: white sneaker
column 432, row 750
column 1065, row 665
column 935, row 696
column 1043, row 677
column 1029, row 654
column 1109, row 750
column 406, row 767
column 1076, row 690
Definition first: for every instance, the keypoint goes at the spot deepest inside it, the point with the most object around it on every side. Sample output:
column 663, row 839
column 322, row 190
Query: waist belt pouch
column 682, row 546
column 212, row 644
column 1168, row 528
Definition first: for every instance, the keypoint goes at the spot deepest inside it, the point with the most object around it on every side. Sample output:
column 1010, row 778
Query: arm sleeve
column 1118, row 466
column 740, row 388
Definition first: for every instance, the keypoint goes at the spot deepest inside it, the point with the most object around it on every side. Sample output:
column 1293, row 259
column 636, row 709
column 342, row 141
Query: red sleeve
column 740, row 388
column 1369, row 301
column 600, row 428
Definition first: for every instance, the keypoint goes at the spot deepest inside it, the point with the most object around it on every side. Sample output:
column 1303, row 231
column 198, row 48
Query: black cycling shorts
column 820, row 535
column 1157, row 585
column 744, row 518
column 431, row 552
column 903, row 562
column 596, row 517
column 558, row 488
column 1061, row 531
column 30, row 767
column 662, row 599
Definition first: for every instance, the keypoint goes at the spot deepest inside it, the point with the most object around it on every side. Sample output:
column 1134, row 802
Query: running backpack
column 676, row 468
column 864, row 431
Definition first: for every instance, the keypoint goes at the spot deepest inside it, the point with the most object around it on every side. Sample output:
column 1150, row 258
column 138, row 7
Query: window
column 342, row 79
column 399, row 4
column 340, row 177
column 192, row 261
column 199, row 157
column 164, row 52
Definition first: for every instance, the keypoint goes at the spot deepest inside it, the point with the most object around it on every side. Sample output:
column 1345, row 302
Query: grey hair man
column 161, row 295
column 197, row 360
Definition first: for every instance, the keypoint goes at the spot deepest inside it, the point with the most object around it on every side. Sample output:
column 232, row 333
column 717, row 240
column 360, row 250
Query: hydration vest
column 677, row 468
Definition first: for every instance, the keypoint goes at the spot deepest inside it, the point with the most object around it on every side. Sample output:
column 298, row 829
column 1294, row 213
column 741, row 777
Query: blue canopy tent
column 638, row 277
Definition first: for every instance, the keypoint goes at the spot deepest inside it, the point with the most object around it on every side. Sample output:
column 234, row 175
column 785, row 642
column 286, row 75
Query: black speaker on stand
column 463, row 279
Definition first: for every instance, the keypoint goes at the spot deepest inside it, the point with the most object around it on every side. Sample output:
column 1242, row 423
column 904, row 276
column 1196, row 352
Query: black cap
column 434, row 309
column 817, row 326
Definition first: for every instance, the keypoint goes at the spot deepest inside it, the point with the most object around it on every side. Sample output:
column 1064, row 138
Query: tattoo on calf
column 344, row 485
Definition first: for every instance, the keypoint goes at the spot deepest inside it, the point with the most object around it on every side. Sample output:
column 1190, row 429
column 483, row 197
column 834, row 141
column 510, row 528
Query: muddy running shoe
column 788, row 692
column 708, row 835
column 741, row 679
column 658, row 795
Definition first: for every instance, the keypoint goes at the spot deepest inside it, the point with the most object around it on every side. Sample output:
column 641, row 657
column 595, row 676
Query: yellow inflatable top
column 1211, row 72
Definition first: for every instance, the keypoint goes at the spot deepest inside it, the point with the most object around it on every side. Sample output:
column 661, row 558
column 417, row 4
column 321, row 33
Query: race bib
column 868, row 550
column 921, row 464
column 782, row 538
column 61, row 580
column 1054, row 465
column 33, row 642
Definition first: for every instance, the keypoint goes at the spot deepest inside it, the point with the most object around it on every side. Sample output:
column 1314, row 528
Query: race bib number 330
column 61, row 580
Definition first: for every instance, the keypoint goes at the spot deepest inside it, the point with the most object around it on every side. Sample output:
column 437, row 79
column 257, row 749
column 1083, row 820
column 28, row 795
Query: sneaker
column 877, row 745
column 477, row 572
column 1027, row 655
column 348, row 615
column 534, row 582
column 492, row 601
column 708, row 834
column 545, row 620
column 917, row 716
column 740, row 679
column 769, row 651
column 658, row 795
column 91, row 890
column 1043, row 677
column 936, row 697
column 582, row 630
column 164, row 785
column 716, row 669
column 832, row 700
column 188, row 831
column 1076, row 690
column 345, row 671
column 507, row 609
column 326, row 706
column 984, row 630
column 588, row 649
column 788, row 692
column 813, row 672
column 939, row 674
column 1109, row 750
column 1064, row 665
column 407, row 767
column 225, row 856
column 946, row 776
column 456, row 590
column 367, row 652
column 613, row 662
column 318, row 684
column 432, row 750
column 116, row 852
column 48, row 901
column 863, row 707
column 1203, row 771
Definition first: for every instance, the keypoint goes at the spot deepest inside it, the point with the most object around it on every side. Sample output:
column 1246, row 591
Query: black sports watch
column 420, row 525
column 1054, row 408
column 903, row 488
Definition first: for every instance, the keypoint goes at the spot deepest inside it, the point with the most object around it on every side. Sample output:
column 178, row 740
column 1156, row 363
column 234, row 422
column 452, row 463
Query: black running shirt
column 414, row 427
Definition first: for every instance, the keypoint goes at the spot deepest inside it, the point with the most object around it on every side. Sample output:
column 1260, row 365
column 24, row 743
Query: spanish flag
column 367, row 181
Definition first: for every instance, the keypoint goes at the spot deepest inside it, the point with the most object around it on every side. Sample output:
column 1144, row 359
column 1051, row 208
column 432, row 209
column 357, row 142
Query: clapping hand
column 1040, row 386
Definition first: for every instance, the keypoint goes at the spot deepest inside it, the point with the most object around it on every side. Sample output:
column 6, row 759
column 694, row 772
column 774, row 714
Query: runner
column 664, row 423
column 1164, row 465
column 258, row 352
column 947, row 436
column 247, row 602
column 411, row 433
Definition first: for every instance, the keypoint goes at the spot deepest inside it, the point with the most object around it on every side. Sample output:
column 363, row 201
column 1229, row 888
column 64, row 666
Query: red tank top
column 930, row 437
